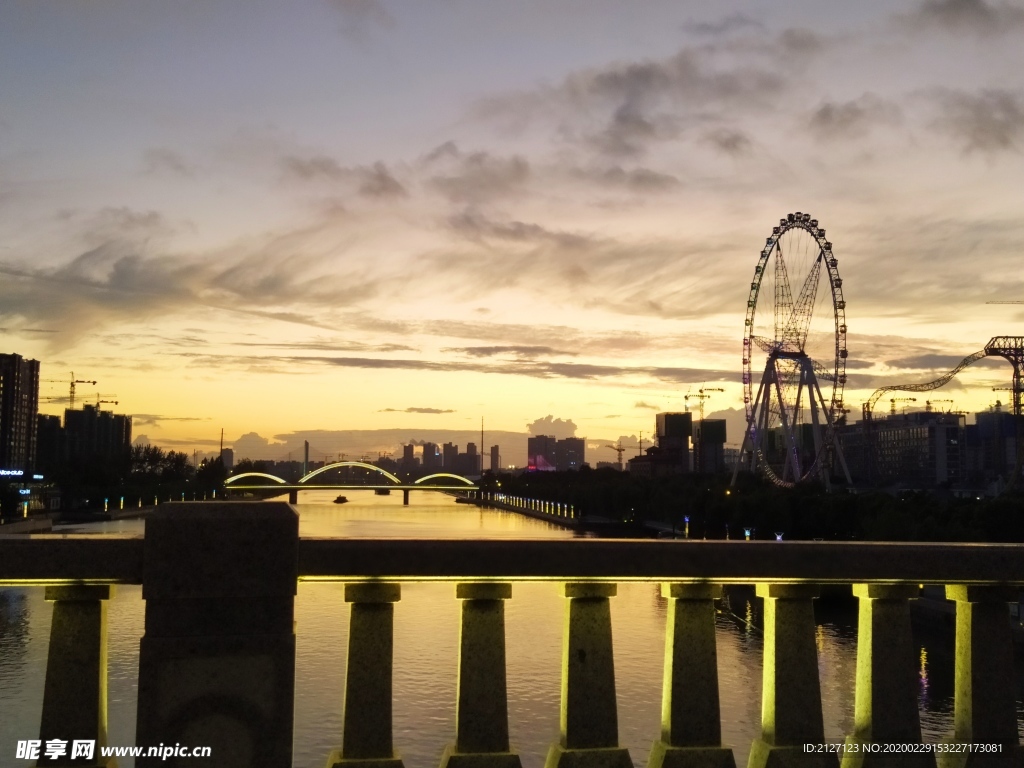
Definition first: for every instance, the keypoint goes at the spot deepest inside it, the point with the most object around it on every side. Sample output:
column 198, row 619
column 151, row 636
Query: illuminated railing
column 218, row 654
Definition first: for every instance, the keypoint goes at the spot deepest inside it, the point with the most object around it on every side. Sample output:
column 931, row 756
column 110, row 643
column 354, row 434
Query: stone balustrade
column 217, row 663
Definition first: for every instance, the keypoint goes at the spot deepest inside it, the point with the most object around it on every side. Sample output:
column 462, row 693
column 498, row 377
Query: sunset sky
column 377, row 215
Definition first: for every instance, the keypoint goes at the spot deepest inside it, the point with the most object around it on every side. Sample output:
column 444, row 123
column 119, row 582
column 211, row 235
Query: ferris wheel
column 796, row 316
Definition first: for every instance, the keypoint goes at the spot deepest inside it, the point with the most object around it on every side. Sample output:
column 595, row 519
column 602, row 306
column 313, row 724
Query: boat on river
column 382, row 491
column 341, row 500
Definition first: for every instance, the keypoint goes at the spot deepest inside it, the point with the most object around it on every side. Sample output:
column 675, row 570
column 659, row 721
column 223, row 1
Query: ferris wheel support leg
column 792, row 460
column 753, row 425
column 836, row 447
column 816, row 429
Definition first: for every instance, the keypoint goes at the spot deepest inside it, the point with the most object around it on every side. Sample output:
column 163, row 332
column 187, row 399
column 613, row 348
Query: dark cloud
column 623, row 109
column 939, row 362
column 325, row 346
column 799, row 41
column 416, row 410
column 728, row 141
column 163, row 160
column 153, row 419
column 476, row 226
column 359, row 17
column 960, row 16
column 520, row 351
column 476, row 176
column 642, row 404
column 549, row 425
column 988, row 121
column 852, row 119
column 724, row 26
column 377, row 181
column 531, row 368
column 370, row 181
column 642, row 180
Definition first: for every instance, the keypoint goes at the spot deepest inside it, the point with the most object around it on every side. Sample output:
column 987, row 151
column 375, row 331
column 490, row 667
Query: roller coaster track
column 1010, row 348
column 927, row 386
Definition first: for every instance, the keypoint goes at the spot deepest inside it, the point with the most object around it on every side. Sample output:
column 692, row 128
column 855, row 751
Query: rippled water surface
column 426, row 641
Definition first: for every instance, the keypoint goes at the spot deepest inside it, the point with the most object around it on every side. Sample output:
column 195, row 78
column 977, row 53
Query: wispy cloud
column 417, row 410
column 964, row 16
column 987, row 121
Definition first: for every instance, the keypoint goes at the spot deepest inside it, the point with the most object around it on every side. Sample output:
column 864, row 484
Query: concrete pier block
column 791, row 713
column 367, row 737
column 75, row 691
column 984, row 710
column 885, row 703
column 481, row 719
column 217, row 661
column 589, row 719
column 691, row 729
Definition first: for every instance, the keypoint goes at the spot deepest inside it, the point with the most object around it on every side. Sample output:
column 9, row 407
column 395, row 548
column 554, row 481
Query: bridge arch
column 362, row 464
column 443, row 474
column 275, row 478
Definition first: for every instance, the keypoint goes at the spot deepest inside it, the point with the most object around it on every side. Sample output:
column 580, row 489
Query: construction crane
column 928, row 404
column 100, row 401
column 894, row 400
column 71, row 392
column 619, row 449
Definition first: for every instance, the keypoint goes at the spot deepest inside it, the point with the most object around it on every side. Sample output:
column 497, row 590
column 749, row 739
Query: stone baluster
column 589, row 719
column 217, row 661
column 691, row 728
column 885, row 703
column 984, row 710
column 75, row 691
column 481, row 719
column 366, row 739
column 791, row 692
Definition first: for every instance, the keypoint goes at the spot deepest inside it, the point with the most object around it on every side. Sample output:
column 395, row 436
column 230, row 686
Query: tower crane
column 928, row 404
column 894, row 400
column 100, row 400
column 619, row 448
column 71, row 392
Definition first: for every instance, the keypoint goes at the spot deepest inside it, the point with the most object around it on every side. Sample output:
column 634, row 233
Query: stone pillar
column 75, row 691
column 589, row 721
column 366, row 741
column 984, row 710
column 885, row 709
column 481, row 720
column 691, row 728
column 293, row 496
column 405, row 497
column 791, row 692
column 217, row 661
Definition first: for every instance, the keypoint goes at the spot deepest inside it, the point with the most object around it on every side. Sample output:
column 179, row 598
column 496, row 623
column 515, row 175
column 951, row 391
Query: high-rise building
column 95, row 433
column 709, row 451
column 671, row 453
column 495, row 459
column 570, row 453
column 19, row 406
column 541, row 453
column 431, row 456
column 227, row 457
column 473, row 461
column 408, row 459
column 451, row 457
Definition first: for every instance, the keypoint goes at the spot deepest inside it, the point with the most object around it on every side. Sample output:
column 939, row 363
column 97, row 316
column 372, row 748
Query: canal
column 426, row 643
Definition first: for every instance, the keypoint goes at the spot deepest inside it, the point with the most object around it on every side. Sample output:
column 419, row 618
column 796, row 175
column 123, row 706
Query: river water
column 426, row 649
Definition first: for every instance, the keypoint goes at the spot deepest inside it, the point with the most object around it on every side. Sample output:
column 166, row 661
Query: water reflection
column 426, row 649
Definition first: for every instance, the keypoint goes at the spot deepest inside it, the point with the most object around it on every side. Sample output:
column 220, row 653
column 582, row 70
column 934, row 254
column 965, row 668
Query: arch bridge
column 262, row 481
